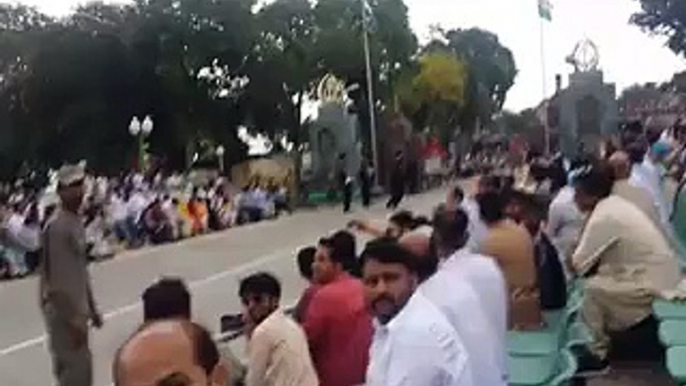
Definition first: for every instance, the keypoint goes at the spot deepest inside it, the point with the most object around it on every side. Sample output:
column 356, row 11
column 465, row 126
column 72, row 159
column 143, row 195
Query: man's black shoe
column 589, row 365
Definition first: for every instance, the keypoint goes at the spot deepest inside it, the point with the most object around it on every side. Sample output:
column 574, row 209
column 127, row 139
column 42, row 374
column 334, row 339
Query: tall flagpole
column 370, row 89
column 546, row 129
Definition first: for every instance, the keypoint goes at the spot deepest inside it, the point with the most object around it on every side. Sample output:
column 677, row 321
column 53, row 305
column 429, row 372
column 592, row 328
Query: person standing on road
column 345, row 182
column 66, row 296
column 397, row 182
column 366, row 176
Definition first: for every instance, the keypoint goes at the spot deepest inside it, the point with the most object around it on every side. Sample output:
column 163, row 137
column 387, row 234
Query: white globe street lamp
column 147, row 125
column 140, row 131
column 135, row 127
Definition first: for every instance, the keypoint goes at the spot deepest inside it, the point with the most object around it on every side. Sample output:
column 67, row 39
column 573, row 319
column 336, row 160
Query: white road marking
column 265, row 259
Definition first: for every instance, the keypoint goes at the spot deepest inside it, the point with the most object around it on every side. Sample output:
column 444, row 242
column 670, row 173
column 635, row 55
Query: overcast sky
column 627, row 55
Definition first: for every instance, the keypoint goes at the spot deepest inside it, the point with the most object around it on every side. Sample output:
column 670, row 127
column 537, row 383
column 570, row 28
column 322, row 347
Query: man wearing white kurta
column 414, row 344
column 626, row 259
column 646, row 175
column 470, row 290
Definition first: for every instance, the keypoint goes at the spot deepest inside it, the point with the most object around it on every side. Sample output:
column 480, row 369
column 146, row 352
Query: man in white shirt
column 414, row 344
column 278, row 353
column 468, row 281
column 564, row 223
column 477, row 227
column 644, row 174
column 118, row 214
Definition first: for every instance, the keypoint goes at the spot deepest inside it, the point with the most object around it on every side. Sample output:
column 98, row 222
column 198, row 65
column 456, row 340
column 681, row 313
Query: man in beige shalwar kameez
column 626, row 260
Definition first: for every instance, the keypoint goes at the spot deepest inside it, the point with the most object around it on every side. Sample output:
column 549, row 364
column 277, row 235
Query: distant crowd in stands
column 132, row 211
column 431, row 302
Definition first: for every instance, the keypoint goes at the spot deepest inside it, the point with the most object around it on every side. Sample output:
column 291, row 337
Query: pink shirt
column 339, row 331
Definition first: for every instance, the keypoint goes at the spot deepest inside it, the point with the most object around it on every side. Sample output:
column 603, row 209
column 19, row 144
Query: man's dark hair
column 403, row 219
column 386, row 250
column 596, row 181
column 490, row 183
column 168, row 298
column 260, row 284
column 458, row 192
column 581, row 161
column 533, row 204
column 305, row 260
column 451, row 226
column 343, row 249
column 491, row 207
column 636, row 151
column 653, row 134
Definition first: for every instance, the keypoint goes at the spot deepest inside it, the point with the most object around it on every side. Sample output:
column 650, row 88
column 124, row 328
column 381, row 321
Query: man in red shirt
column 337, row 323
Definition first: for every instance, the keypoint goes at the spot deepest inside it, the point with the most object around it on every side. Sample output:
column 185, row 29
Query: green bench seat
column 556, row 369
column 668, row 310
column 531, row 370
column 539, row 342
column 673, row 333
column 676, row 363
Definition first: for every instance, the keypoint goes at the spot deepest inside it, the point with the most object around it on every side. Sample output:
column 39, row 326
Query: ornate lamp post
column 141, row 131
column 220, row 151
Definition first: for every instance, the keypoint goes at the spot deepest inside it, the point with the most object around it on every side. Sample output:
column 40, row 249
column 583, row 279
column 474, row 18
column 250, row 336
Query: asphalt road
column 212, row 265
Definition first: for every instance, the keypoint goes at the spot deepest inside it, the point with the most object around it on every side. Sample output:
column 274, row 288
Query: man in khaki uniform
column 626, row 259
column 66, row 297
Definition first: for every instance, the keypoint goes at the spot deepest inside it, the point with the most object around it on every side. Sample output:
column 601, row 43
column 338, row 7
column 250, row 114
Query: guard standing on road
column 66, row 296
column 345, row 183
column 397, row 181
column 366, row 177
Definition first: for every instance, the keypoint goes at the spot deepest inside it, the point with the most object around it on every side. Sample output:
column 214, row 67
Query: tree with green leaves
column 492, row 72
column 666, row 18
column 437, row 93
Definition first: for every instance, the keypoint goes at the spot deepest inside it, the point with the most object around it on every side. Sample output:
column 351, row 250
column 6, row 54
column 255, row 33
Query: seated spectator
column 167, row 299
column 414, row 343
column 170, row 209
column 118, row 214
column 156, row 224
column 170, row 299
column 343, row 245
column 11, row 249
column 305, row 260
column 336, row 322
column 626, row 261
column 564, row 222
column 644, row 174
column 135, row 205
column 170, row 352
column 197, row 210
column 97, row 234
column 455, row 198
column 639, row 196
column 477, row 227
column 513, row 249
column 281, row 200
column 466, row 280
column 278, row 354
column 251, row 205
column 529, row 211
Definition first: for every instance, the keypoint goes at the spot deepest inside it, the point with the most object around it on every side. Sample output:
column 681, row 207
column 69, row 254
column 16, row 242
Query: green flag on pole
column 545, row 9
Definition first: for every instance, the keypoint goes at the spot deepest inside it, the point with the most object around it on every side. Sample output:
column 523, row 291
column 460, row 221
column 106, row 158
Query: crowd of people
column 430, row 300
column 133, row 211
